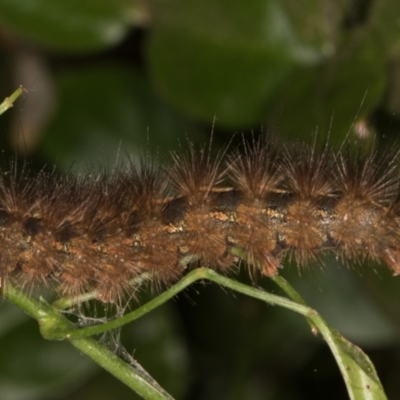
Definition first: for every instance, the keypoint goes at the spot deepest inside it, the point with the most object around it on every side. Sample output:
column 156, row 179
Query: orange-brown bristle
column 367, row 185
column 195, row 174
column 196, row 177
column 102, row 231
column 367, row 176
column 309, row 180
column 255, row 172
column 308, row 172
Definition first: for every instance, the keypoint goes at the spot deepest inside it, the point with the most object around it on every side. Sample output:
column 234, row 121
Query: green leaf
column 384, row 22
column 357, row 369
column 333, row 96
column 71, row 25
column 218, row 58
column 317, row 23
column 105, row 113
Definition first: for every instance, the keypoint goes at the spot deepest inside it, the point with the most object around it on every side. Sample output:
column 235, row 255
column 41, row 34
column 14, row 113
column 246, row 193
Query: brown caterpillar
column 88, row 233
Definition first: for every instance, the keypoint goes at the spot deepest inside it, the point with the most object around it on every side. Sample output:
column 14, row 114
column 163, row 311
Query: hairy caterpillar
column 85, row 232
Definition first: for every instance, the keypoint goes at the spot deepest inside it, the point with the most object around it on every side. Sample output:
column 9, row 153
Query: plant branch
column 54, row 326
column 357, row 370
column 8, row 102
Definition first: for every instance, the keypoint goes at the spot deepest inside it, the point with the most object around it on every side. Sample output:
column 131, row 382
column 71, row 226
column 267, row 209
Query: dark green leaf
column 106, row 112
column 218, row 58
column 68, row 25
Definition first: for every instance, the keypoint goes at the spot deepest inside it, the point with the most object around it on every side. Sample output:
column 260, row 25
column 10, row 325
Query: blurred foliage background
column 110, row 78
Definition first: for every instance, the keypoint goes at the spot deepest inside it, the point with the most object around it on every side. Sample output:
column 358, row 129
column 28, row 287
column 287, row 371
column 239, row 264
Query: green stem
column 195, row 275
column 54, row 326
column 357, row 370
column 279, row 280
column 288, row 288
column 146, row 308
column 9, row 101
column 294, row 295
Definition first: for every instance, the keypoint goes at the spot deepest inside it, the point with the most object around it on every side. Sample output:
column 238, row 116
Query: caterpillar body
column 86, row 232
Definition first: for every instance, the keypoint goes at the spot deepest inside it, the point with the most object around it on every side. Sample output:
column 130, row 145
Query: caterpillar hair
column 102, row 231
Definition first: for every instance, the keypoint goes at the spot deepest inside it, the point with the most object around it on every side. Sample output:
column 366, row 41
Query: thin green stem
column 287, row 288
column 146, row 308
column 279, row 280
column 294, row 295
column 54, row 326
column 257, row 293
column 9, row 101
column 195, row 275
column 357, row 370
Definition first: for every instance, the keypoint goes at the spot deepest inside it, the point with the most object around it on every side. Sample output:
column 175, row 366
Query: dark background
column 110, row 78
